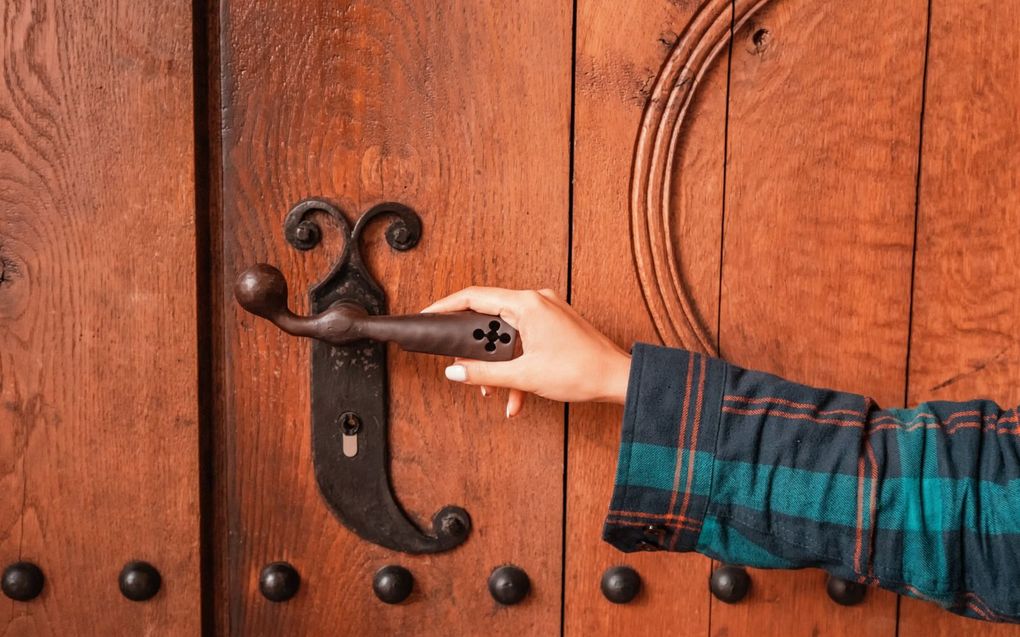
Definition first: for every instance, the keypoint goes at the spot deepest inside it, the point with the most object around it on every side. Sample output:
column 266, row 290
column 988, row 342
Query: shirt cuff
column 667, row 451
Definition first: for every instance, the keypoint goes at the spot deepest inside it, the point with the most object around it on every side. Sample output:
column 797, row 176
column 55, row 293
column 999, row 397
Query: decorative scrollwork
column 304, row 233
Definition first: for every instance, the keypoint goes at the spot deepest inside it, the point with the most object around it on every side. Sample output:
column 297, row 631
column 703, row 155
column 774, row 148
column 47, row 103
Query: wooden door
column 462, row 112
column 820, row 190
column 825, row 190
column 99, row 417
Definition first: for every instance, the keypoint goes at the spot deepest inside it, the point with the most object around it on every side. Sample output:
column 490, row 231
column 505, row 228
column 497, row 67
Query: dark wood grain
column 966, row 288
column 619, row 52
column 461, row 111
column 825, row 103
column 98, row 411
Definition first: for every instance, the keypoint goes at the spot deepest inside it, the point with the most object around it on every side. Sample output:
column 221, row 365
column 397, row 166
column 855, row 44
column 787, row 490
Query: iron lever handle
column 262, row 290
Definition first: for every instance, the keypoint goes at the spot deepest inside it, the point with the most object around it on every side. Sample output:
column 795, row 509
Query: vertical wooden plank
column 620, row 49
column 825, row 103
column 98, row 413
column 966, row 285
column 460, row 110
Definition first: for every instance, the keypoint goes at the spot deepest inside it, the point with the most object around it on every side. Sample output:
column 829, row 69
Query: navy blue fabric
column 750, row 468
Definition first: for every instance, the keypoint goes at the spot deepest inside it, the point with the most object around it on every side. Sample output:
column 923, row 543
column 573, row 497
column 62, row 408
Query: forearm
column 751, row 469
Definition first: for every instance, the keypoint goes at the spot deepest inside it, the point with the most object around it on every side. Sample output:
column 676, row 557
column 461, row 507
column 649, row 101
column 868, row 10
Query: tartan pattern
column 751, row 469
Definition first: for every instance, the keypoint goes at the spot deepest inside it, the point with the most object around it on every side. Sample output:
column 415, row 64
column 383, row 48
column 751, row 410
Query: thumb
column 501, row 374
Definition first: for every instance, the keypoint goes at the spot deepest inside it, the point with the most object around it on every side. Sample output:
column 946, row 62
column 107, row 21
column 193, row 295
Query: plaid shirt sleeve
column 751, row 469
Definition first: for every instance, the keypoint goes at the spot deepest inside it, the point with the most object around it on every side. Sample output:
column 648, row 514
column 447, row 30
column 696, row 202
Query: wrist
column 617, row 378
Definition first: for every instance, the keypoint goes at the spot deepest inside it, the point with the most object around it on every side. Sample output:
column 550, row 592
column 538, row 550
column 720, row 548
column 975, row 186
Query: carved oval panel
column 667, row 113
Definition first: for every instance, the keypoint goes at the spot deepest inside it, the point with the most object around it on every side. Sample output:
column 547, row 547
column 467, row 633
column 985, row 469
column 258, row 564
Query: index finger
column 495, row 301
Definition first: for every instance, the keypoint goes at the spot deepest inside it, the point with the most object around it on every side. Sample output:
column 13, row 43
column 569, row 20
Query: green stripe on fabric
column 822, row 497
column 623, row 465
column 934, row 505
column 726, row 544
column 908, row 504
column 654, row 466
column 924, row 558
column 788, row 491
column 917, row 457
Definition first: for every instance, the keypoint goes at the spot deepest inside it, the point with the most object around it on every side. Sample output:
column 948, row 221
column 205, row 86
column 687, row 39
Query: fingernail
column 508, row 411
column 485, row 392
column 457, row 373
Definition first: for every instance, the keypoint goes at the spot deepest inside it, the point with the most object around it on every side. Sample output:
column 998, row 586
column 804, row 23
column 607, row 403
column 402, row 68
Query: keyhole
column 350, row 425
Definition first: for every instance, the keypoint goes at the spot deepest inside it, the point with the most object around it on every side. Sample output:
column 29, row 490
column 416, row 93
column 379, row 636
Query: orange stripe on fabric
column 994, row 616
column 971, row 424
column 683, row 431
column 789, row 403
column 950, row 431
column 916, row 420
column 654, row 516
column 917, row 593
column 977, row 610
column 860, row 515
column 791, row 416
column 682, row 526
column 873, row 506
column 887, row 421
column 694, row 443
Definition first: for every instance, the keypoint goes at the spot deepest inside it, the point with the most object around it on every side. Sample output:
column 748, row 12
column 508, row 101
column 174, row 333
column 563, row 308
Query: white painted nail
column 457, row 373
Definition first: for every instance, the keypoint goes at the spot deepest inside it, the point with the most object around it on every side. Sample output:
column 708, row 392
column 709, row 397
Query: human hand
column 564, row 358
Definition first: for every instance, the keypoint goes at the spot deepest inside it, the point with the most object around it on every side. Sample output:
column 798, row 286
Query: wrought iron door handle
column 262, row 290
column 348, row 372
